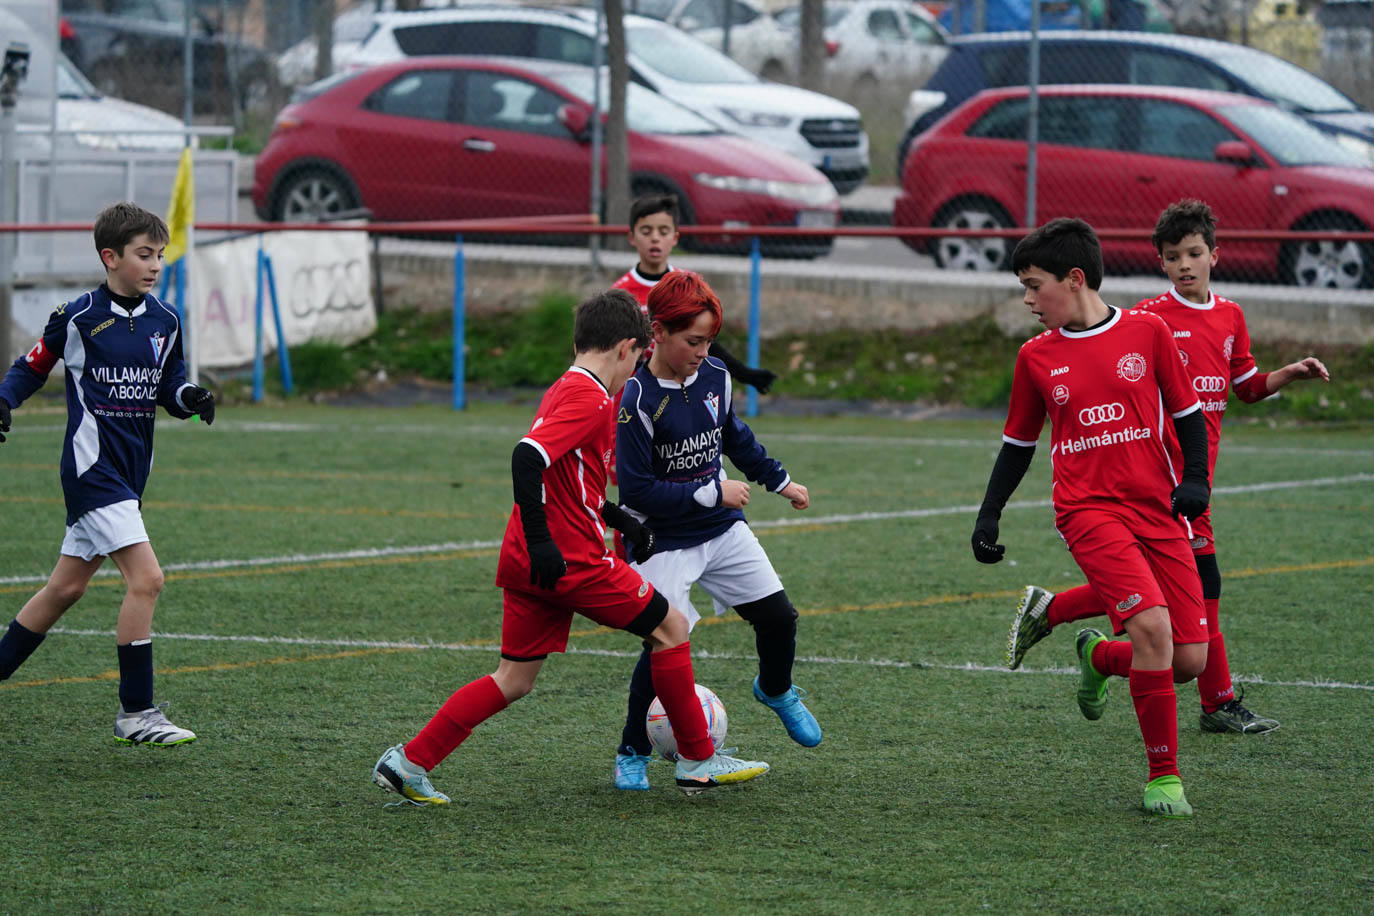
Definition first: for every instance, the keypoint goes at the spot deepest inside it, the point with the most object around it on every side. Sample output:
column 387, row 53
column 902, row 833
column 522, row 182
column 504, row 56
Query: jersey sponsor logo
column 1116, row 437
column 1059, row 371
column 1129, row 602
column 1131, row 367
column 624, row 416
column 1214, row 406
column 1101, row 413
column 102, row 326
column 129, row 383
column 662, row 406
column 158, row 341
column 692, row 453
column 1209, row 384
column 1228, row 346
column 712, row 403
column 1060, row 394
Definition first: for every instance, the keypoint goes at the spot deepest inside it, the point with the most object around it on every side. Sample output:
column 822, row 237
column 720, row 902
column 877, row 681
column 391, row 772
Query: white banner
column 324, row 292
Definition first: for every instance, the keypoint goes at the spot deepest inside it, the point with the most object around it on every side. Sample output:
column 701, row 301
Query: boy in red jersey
column 1211, row 334
column 554, row 562
column 653, row 235
column 1109, row 382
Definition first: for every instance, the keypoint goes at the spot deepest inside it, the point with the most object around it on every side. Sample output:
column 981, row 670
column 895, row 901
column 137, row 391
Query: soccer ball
column 661, row 733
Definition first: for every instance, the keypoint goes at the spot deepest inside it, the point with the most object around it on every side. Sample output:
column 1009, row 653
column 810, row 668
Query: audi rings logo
column 340, row 286
column 1101, row 413
column 1209, row 384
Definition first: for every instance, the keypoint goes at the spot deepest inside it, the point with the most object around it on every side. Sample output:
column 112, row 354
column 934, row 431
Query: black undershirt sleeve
column 1192, row 440
column 732, row 365
column 527, row 474
column 1011, row 465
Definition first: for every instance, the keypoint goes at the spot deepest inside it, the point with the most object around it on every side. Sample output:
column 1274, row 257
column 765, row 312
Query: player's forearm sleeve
column 1192, row 441
column 732, row 365
column 1011, row 465
column 619, row 519
column 1255, row 388
column 527, row 475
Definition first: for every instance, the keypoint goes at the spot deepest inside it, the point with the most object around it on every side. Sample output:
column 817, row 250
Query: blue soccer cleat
column 395, row 773
column 801, row 726
column 631, row 772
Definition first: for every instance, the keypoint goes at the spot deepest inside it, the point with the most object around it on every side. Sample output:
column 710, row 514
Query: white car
column 757, row 41
column 819, row 130
column 296, row 65
column 874, row 45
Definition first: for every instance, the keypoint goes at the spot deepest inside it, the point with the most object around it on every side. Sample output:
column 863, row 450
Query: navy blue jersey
column 120, row 365
column 668, row 446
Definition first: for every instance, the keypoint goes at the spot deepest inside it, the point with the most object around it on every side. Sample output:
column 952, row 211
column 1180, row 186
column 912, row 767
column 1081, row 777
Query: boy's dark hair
column 605, row 319
column 651, row 204
column 1184, row 217
column 677, row 300
column 117, row 225
column 1058, row 247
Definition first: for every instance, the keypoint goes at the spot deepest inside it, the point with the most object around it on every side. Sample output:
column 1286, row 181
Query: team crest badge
column 712, row 403
column 1060, row 394
column 159, row 343
column 1131, row 367
column 1183, row 354
column 643, row 589
column 1228, row 346
column 624, row 416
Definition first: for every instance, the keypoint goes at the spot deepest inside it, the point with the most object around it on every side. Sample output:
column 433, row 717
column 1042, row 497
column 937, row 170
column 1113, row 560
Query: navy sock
column 136, row 675
column 635, row 738
column 17, row 645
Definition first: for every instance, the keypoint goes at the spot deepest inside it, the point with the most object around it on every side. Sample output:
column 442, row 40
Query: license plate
column 841, row 161
column 816, row 219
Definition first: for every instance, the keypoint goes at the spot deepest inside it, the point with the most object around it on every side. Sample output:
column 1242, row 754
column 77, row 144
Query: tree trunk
column 324, row 38
column 812, row 64
column 617, row 141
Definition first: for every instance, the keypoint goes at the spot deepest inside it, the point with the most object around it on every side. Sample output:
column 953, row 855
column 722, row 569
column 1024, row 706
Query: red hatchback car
column 1117, row 155
column 469, row 138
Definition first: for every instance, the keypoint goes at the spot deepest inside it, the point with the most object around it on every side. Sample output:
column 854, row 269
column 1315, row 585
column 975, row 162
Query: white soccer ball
column 661, row 733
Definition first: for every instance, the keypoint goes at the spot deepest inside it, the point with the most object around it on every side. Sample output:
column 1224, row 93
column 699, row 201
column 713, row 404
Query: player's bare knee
column 147, row 585
column 673, row 631
column 1189, row 660
column 65, row 594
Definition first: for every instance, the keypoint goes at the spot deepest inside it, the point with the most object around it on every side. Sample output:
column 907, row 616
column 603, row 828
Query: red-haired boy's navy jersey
column 669, row 441
column 119, row 365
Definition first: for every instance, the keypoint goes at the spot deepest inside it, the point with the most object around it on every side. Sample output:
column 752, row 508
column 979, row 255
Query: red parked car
column 1117, row 155
column 466, row 138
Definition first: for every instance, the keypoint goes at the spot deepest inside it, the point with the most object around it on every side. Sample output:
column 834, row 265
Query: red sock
column 1155, row 707
column 1076, row 604
column 1112, row 657
column 1214, row 686
column 671, row 670
column 470, row 706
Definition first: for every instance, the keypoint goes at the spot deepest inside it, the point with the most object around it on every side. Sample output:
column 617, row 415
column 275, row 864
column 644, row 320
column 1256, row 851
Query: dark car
column 132, row 49
column 994, row 59
column 1117, row 155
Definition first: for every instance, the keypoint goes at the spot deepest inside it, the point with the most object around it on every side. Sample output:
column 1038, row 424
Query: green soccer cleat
column 1233, row 717
column 1164, row 796
column 1030, row 625
column 696, row 776
column 395, row 773
column 1092, row 685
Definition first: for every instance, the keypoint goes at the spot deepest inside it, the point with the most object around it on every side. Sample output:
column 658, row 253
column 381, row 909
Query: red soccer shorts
column 1131, row 574
column 536, row 622
column 1202, row 541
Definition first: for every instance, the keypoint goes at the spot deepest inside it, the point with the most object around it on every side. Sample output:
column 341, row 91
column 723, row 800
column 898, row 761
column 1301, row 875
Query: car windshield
column 1285, row 83
column 1287, row 137
column 678, row 56
column 790, row 18
column 646, row 111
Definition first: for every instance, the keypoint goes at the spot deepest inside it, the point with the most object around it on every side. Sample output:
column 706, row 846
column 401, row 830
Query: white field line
column 1322, row 684
column 368, row 553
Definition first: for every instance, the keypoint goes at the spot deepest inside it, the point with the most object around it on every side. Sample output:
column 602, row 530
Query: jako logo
column 1157, row 749
column 1101, row 413
column 1183, row 333
column 1209, row 384
column 1060, row 371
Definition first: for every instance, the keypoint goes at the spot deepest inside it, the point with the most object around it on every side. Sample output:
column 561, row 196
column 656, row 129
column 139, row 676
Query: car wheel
column 1328, row 263
column 314, row 195
column 964, row 253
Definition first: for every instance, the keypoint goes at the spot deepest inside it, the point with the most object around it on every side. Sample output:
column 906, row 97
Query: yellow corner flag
column 181, row 212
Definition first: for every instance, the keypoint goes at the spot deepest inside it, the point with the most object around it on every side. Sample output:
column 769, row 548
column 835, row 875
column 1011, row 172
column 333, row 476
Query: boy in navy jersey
column 1109, row 382
column 1211, row 333
column 676, row 420
column 653, row 234
column 122, row 349
column 554, row 563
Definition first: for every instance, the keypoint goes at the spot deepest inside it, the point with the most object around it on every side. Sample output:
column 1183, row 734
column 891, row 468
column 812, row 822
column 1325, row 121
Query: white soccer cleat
column 150, row 726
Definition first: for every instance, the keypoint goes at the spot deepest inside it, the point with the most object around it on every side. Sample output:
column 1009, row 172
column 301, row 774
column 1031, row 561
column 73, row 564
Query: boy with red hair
column 554, row 562
column 675, row 421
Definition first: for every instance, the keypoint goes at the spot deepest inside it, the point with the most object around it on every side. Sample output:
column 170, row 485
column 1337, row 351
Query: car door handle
column 479, row 146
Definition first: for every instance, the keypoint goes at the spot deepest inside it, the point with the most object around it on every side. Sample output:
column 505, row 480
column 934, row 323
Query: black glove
column 644, row 544
column 761, row 379
column 1190, row 498
column 985, row 546
column 198, row 400
column 4, row 419
column 547, row 565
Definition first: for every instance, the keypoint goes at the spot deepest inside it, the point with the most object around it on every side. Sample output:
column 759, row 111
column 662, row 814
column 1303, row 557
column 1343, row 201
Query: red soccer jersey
column 1215, row 347
column 1109, row 393
column 574, row 429
column 633, row 282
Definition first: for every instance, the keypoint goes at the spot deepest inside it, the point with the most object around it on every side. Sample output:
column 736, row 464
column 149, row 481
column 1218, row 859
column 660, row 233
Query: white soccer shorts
column 731, row 567
column 102, row 531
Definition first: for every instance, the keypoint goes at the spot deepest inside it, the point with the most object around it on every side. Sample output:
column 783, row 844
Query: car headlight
column 1359, row 146
column 819, row 194
column 756, row 118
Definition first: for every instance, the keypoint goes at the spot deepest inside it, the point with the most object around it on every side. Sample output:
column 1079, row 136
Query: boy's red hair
column 677, row 300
